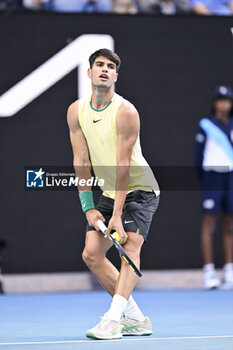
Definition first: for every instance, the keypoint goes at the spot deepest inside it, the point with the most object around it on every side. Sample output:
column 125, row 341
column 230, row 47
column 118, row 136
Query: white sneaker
column 106, row 329
column 134, row 327
column 210, row 280
column 227, row 280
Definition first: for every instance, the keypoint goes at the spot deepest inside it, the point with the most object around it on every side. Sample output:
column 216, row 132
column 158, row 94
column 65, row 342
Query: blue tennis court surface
column 181, row 320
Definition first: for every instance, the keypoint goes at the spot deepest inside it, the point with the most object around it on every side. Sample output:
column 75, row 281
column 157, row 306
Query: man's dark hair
column 112, row 56
column 222, row 92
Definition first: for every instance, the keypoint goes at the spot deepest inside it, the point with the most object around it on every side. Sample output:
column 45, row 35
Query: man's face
column 103, row 73
column 223, row 105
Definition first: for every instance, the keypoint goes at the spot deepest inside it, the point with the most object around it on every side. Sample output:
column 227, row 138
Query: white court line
column 117, row 340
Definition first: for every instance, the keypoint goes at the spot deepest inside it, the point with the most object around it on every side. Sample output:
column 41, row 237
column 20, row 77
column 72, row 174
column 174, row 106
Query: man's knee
column 133, row 255
column 132, row 250
column 91, row 257
column 88, row 256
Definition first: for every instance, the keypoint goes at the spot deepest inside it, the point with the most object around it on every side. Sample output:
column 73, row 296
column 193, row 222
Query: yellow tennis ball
column 117, row 237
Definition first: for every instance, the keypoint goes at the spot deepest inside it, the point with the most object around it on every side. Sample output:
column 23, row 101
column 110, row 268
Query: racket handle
column 102, row 226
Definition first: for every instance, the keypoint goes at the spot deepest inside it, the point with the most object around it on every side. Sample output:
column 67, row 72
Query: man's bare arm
column 201, row 9
column 81, row 160
column 128, row 125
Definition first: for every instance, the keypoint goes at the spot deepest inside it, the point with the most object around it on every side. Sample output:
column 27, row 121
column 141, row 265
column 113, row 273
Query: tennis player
column 105, row 127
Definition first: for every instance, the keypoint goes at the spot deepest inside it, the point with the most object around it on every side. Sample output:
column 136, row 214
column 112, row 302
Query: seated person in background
column 212, row 7
column 89, row 6
column 32, row 4
column 164, row 7
column 36, row 5
column 167, row 7
column 125, row 7
column 10, row 5
column 148, row 6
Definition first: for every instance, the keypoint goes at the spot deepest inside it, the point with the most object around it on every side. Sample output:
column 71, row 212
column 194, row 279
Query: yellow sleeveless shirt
column 99, row 129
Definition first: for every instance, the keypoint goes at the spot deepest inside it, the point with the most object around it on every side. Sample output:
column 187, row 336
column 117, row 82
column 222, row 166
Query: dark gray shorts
column 138, row 211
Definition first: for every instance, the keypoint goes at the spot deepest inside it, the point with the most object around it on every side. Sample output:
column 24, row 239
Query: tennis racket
column 124, row 255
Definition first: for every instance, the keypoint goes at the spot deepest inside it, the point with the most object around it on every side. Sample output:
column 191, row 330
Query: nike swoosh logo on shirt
column 127, row 222
column 95, row 121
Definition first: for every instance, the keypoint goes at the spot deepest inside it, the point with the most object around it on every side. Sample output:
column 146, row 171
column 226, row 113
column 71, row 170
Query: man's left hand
column 115, row 224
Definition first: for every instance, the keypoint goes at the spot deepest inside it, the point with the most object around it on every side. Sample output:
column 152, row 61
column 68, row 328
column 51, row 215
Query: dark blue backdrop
column 169, row 68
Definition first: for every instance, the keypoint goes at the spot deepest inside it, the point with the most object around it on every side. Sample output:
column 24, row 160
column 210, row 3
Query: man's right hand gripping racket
column 124, row 255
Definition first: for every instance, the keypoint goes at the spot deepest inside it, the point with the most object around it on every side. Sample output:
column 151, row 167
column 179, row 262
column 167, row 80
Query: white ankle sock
column 208, row 267
column 132, row 310
column 228, row 267
column 228, row 272
column 117, row 308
